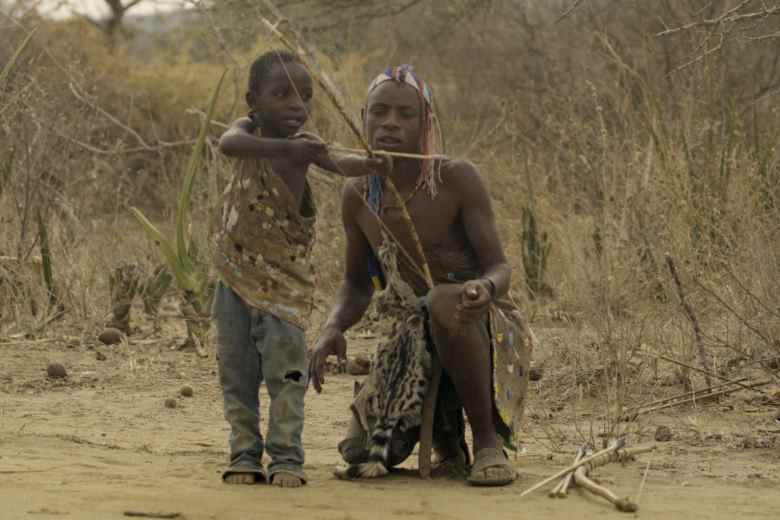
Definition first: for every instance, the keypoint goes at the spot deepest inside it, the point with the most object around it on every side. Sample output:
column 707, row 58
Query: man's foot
column 491, row 468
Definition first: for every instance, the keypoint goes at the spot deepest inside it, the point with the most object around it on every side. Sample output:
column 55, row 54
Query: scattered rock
column 56, row 371
column 663, row 434
column 171, row 403
column 186, row 391
column 358, row 366
column 777, row 417
column 713, row 437
column 111, row 336
column 100, row 356
column 535, row 373
column 774, row 395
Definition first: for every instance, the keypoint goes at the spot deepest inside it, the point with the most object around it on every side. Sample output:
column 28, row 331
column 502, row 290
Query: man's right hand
column 330, row 342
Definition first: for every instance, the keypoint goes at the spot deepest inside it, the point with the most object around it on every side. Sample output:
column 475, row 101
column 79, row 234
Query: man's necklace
column 407, row 199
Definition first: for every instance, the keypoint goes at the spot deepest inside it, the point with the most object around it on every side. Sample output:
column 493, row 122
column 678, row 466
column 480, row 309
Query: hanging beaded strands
column 431, row 145
column 430, row 136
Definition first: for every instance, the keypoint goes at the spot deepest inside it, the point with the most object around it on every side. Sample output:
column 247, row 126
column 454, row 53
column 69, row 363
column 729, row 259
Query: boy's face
column 393, row 118
column 283, row 106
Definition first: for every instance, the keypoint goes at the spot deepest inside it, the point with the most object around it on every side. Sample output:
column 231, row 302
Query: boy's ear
column 250, row 99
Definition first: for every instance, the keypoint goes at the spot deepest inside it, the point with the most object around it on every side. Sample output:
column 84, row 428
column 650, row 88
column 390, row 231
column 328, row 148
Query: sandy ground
column 101, row 442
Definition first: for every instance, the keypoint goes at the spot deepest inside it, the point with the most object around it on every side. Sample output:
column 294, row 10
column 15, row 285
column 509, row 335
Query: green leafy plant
column 181, row 254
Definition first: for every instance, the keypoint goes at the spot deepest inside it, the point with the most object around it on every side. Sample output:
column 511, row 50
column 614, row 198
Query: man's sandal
column 491, row 468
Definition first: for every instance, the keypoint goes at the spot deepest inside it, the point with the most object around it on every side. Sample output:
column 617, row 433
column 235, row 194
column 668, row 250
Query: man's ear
column 250, row 99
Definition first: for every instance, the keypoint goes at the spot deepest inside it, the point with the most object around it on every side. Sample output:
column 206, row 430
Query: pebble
column 663, row 434
column 110, row 336
column 535, row 374
column 186, row 391
column 171, row 403
column 56, row 371
column 100, row 356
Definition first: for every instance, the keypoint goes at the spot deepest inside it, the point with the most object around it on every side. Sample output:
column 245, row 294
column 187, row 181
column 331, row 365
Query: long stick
column 676, row 362
column 429, row 402
column 621, row 504
column 700, row 397
column 704, row 360
column 388, row 154
column 560, row 490
column 686, row 395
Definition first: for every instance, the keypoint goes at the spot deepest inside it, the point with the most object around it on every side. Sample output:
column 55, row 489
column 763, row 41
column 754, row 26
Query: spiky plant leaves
column 177, row 252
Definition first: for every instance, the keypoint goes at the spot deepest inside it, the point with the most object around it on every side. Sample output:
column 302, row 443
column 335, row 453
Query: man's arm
column 480, row 226
column 354, row 294
column 240, row 141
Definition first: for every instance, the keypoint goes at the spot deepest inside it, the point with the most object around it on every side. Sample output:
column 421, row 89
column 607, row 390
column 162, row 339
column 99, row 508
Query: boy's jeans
column 252, row 347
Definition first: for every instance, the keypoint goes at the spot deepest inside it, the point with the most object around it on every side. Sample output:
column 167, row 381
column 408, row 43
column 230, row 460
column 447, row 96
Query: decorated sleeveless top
column 264, row 241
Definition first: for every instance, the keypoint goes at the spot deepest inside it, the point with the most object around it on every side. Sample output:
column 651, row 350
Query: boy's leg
column 240, row 377
column 282, row 349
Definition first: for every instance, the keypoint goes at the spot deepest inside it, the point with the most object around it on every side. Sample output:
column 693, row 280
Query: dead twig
column 703, row 358
column 702, row 397
column 145, row 514
column 685, row 365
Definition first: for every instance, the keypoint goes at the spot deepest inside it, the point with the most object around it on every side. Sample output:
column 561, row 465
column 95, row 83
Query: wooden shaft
column 582, row 462
column 621, row 504
column 563, row 487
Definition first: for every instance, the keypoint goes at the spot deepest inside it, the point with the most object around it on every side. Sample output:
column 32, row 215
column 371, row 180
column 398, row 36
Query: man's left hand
column 475, row 297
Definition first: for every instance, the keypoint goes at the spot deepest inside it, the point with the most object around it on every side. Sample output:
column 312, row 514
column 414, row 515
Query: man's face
column 393, row 118
column 283, row 106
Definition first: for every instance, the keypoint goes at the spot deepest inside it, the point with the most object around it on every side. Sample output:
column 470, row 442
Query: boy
column 265, row 290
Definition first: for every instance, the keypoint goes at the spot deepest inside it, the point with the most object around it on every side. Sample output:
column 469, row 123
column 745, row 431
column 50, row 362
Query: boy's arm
column 240, row 141
column 480, row 226
column 354, row 294
column 350, row 165
column 355, row 165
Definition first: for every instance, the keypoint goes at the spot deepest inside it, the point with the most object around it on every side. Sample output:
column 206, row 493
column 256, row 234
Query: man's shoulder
column 460, row 174
column 353, row 193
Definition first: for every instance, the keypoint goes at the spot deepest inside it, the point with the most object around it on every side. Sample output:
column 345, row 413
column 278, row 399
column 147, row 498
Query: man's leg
column 464, row 352
column 283, row 351
column 239, row 376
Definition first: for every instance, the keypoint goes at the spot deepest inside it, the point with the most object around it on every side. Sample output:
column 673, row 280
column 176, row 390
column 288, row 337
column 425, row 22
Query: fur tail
column 378, row 454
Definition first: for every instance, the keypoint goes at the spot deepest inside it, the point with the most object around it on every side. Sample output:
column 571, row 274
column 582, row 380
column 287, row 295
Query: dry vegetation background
column 611, row 132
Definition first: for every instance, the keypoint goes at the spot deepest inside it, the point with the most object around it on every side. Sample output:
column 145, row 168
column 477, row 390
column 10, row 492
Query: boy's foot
column 286, row 480
column 244, row 474
column 491, row 468
column 240, row 478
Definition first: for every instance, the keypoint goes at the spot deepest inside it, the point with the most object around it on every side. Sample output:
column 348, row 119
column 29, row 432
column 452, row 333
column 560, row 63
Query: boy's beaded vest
column 264, row 241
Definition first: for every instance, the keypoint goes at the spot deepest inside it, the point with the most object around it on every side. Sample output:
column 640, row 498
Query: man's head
column 399, row 117
column 280, row 93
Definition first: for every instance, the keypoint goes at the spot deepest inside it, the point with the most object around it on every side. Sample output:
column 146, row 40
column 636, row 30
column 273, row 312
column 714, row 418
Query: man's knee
column 442, row 303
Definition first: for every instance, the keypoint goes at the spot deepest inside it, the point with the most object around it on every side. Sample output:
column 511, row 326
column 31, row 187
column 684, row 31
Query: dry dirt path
column 101, row 442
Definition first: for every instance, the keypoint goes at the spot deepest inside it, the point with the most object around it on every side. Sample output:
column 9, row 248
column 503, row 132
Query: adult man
column 484, row 350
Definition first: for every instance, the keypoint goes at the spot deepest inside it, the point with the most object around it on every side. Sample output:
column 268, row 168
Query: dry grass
column 621, row 160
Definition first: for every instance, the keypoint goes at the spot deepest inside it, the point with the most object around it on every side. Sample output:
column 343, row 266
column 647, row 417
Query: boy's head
column 399, row 117
column 280, row 92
